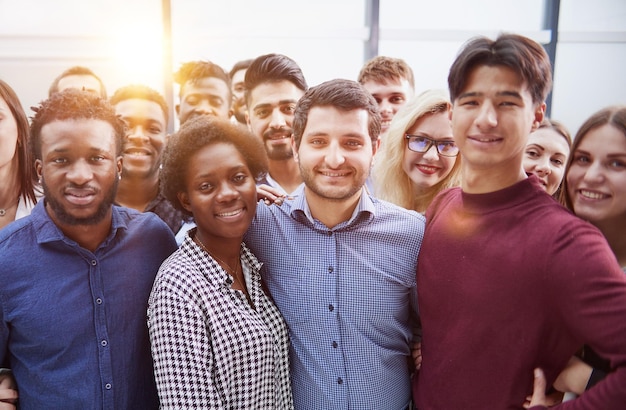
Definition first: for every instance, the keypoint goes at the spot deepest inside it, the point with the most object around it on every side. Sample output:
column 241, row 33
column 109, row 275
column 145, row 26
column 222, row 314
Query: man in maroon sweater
column 508, row 280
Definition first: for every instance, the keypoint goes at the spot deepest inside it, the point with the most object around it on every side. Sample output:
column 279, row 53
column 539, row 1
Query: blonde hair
column 391, row 183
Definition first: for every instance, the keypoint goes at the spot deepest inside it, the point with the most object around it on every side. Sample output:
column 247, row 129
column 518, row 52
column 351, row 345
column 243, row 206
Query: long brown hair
column 25, row 163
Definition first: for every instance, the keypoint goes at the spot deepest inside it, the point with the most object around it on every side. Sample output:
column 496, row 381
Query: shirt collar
column 48, row 231
column 365, row 208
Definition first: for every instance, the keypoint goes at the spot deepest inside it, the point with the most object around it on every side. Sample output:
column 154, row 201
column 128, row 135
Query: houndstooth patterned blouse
column 211, row 349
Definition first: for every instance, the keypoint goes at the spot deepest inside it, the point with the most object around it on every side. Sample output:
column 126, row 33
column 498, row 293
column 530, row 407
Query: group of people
column 349, row 245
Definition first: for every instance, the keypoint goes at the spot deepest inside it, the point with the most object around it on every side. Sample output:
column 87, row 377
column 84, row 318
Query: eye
column 97, row 158
column 216, row 102
column 192, row 100
column 532, row 153
column 581, row 159
column 557, row 162
column 616, row 163
column 59, row 160
column 397, row 100
column 354, row 144
column 240, row 178
column 262, row 113
column 289, row 109
column 205, row 187
column 155, row 130
column 317, row 141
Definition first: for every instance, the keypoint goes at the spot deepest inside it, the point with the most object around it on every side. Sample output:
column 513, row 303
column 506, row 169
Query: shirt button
column 330, row 233
column 103, row 343
column 331, row 307
column 331, row 269
column 107, row 386
column 99, row 301
column 339, row 380
column 94, row 262
column 335, row 344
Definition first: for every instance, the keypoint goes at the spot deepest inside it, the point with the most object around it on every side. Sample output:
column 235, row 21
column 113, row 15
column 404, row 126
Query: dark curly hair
column 73, row 104
column 197, row 133
column 142, row 92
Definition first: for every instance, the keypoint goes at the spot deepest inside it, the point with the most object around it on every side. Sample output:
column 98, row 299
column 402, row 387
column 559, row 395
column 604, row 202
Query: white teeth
column 592, row 195
column 333, row 174
column 233, row 213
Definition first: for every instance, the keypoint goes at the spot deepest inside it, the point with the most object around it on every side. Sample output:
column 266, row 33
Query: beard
column 278, row 152
column 65, row 217
column 330, row 192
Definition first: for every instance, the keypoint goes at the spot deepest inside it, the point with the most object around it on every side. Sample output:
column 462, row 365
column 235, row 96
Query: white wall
column 121, row 40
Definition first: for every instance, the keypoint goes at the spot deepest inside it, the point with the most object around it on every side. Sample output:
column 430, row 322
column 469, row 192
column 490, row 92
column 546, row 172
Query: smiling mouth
column 230, row 213
column 592, row 195
column 136, row 152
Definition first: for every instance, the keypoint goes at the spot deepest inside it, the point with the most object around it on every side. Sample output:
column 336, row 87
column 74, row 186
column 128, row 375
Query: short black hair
column 142, row 92
column 197, row 133
column 272, row 68
column 239, row 65
column 521, row 54
column 76, row 70
column 73, row 104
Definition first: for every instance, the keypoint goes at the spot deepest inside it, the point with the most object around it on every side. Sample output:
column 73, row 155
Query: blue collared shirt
column 347, row 295
column 73, row 325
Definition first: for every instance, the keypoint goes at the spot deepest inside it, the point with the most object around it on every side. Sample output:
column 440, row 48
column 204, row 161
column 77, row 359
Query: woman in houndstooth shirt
column 218, row 341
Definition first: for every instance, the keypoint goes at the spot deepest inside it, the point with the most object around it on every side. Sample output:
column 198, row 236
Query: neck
column 477, row 180
column 227, row 251
column 86, row 236
column 331, row 212
column 136, row 192
column 286, row 173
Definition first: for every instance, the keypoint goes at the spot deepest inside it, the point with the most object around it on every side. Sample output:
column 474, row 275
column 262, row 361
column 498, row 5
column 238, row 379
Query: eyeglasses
column 421, row 144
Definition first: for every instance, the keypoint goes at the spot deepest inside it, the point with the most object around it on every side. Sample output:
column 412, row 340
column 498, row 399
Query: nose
column 203, row 107
column 277, row 119
column 487, row 117
column 385, row 106
column 136, row 133
column 226, row 192
column 431, row 153
column 594, row 173
column 334, row 155
column 80, row 172
column 542, row 166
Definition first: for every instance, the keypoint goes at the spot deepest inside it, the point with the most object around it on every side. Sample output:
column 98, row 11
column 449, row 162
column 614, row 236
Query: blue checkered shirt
column 348, row 297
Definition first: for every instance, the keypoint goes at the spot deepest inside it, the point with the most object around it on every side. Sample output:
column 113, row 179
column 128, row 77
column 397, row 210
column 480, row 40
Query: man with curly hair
column 76, row 274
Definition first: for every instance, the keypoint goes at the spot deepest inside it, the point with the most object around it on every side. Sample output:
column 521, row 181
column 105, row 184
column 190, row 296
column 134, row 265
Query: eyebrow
column 513, row 94
column 281, row 102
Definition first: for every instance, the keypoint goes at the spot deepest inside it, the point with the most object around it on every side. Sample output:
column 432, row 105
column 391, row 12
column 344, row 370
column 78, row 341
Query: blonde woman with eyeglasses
column 418, row 157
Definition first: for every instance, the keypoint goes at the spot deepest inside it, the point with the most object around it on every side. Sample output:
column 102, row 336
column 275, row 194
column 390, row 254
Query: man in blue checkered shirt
column 339, row 263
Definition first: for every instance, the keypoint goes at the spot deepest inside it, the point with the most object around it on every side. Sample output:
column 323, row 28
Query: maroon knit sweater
column 509, row 281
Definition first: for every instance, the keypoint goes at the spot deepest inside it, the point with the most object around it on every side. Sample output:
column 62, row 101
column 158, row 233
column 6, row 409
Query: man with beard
column 204, row 90
column 349, row 310
column 76, row 274
column 145, row 113
column 274, row 83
